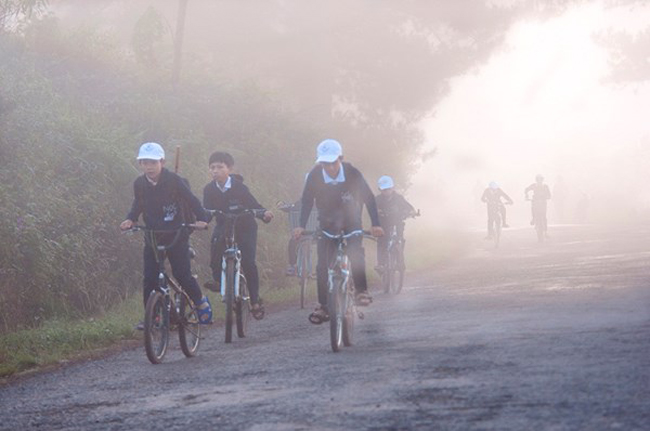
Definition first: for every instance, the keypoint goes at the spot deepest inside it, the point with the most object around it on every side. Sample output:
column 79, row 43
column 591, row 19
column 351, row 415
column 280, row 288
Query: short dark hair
column 221, row 157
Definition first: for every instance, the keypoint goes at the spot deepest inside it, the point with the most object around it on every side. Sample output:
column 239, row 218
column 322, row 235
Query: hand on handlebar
column 297, row 232
column 199, row 225
column 126, row 224
column 377, row 231
column 267, row 217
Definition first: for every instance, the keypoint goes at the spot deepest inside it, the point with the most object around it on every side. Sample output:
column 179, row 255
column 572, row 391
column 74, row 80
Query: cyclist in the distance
column 339, row 191
column 541, row 194
column 492, row 197
column 393, row 209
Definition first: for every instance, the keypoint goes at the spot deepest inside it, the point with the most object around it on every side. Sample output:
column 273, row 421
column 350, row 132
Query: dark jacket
column 393, row 209
column 236, row 197
column 339, row 206
column 161, row 206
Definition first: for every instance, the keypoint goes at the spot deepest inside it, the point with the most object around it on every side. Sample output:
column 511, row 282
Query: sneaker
column 319, row 315
column 204, row 310
column 363, row 299
column 139, row 326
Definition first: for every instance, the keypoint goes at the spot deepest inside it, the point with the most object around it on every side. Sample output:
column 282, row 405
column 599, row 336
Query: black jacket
column 161, row 206
column 339, row 206
column 237, row 196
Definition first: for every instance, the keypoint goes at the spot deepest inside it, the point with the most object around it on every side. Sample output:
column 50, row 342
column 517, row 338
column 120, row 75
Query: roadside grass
column 58, row 341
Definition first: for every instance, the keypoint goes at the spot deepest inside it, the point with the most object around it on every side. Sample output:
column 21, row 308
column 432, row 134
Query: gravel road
column 527, row 337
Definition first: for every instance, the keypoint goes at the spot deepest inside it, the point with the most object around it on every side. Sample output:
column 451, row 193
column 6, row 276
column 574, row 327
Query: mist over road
column 552, row 336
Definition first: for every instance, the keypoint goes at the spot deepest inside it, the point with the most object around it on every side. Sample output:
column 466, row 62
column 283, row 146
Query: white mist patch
column 543, row 105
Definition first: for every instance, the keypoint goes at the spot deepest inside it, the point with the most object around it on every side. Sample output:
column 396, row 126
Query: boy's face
column 152, row 168
column 387, row 192
column 332, row 169
column 220, row 172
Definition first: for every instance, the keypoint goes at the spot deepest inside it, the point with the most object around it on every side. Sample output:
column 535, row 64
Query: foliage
column 72, row 118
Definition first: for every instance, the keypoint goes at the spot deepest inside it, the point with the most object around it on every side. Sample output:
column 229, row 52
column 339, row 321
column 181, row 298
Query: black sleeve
column 307, row 200
column 136, row 205
column 194, row 202
column 248, row 200
column 405, row 207
column 506, row 197
column 368, row 198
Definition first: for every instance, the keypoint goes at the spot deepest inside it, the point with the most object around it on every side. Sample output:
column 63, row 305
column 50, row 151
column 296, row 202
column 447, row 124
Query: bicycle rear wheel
column 242, row 308
column 156, row 327
column 336, row 309
column 229, row 299
column 189, row 329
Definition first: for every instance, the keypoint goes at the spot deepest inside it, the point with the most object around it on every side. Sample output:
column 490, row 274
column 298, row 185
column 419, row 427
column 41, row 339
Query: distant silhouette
column 492, row 197
column 541, row 194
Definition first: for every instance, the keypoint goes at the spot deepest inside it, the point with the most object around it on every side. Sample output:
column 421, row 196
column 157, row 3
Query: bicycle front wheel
column 348, row 320
column 336, row 310
column 229, row 299
column 189, row 329
column 156, row 327
column 242, row 308
column 396, row 271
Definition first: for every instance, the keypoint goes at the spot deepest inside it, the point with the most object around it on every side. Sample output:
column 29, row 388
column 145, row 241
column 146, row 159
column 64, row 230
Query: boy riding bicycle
column 160, row 196
column 339, row 191
column 227, row 193
column 492, row 197
column 393, row 209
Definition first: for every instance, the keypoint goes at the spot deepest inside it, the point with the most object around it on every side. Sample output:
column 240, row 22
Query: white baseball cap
column 385, row 182
column 151, row 151
column 328, row 151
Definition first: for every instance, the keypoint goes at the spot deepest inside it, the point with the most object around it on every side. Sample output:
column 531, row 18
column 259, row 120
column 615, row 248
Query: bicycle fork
column 234, row 255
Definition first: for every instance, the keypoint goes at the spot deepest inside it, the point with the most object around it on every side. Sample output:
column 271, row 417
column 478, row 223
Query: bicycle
column 304, row 261
column 393, row 273
column 539, row 218
column 234, row 289
column 341, row 305
column 304, row 266
column 168, row 306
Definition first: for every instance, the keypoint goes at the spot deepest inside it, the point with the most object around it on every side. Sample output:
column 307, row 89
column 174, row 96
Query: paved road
column 544, row 337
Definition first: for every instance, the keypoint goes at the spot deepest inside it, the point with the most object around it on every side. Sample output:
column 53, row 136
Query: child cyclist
column 340, row 192
column 160, row 196
column 393, row 209
column 225, row 193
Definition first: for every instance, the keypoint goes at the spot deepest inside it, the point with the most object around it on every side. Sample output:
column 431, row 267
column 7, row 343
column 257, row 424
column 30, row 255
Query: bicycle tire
column 156, row 327
column 335, row 309
column 348, row 321
column 189, row 328
column 303, row 270
column 498, row 226
column 242, row 308
column 396, row 273
column 229, row 299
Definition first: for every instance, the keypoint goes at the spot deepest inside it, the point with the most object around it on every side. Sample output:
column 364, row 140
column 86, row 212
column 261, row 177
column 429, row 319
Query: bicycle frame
column 231, row 258
column 341, row 298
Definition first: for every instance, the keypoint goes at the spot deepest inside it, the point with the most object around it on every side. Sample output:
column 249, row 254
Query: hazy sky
column 543, row 104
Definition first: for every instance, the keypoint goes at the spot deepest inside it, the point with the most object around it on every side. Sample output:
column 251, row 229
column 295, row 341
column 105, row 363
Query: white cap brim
column 328, row 158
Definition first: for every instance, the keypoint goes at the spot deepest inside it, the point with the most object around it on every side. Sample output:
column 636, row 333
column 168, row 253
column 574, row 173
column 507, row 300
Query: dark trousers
column 179, row 260
column 327, row 251
column 247, row 243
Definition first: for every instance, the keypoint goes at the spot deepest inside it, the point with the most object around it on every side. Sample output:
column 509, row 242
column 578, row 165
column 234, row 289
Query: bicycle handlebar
column 177, row 231
column 257, row 212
